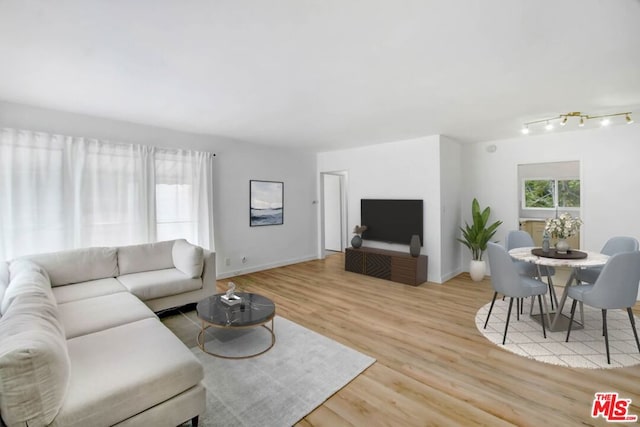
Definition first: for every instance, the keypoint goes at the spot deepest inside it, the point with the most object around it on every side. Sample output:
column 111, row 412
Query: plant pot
column 477, row 269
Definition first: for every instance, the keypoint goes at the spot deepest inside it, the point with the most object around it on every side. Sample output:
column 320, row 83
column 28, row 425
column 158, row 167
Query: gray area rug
column 279, row 387
column 585, row 349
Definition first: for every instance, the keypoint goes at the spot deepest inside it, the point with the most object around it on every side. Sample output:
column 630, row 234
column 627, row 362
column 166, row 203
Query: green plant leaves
column 477, row 235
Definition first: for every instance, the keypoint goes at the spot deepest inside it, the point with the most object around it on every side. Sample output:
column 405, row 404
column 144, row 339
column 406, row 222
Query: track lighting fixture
column 563, row 119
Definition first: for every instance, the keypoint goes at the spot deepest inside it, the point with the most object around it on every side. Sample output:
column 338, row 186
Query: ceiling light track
column 582, row 118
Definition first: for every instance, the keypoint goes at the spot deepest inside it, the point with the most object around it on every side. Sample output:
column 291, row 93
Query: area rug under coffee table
column 280, row 387
column 585, row 348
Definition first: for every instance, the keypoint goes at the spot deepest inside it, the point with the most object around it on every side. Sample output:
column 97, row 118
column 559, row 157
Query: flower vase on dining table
column 562, row 247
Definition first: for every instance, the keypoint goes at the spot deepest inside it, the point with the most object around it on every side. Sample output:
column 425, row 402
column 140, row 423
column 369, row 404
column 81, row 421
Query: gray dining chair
column 506, row 281
column 522, row 239
column 614, row 245
column 615, row 287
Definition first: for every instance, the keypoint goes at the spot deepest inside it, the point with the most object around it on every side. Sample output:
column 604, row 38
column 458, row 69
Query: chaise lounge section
column 80, row 343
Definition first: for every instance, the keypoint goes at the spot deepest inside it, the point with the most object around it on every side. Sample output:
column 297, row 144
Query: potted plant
column 562, row 228
column 476, row 236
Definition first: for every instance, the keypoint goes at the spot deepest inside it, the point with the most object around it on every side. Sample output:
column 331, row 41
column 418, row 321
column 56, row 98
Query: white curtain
column 184, row 196
column 61, row 192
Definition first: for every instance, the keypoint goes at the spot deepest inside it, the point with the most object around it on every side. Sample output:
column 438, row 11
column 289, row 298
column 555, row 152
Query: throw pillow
column 188, row 258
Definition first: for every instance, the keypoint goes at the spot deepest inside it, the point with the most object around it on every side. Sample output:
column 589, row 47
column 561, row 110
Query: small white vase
column 477, row 269
column 562, row 246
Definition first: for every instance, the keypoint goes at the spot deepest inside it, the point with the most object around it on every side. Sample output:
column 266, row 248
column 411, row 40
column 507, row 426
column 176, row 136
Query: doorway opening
column 334, row 231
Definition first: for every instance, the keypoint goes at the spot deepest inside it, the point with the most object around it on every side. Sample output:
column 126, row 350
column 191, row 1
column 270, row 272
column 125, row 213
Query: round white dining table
column 593, row 259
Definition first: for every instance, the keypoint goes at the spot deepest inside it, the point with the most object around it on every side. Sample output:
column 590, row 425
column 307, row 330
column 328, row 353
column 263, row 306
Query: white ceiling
column 323, row 74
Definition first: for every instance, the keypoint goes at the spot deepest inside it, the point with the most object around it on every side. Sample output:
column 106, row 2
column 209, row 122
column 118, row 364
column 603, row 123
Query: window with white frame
column 551, row 193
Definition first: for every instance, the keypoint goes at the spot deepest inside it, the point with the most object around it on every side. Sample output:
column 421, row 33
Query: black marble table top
column 253, row 310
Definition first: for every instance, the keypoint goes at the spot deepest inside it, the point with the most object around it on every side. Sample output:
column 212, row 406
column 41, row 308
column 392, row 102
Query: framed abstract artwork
column 266, row 203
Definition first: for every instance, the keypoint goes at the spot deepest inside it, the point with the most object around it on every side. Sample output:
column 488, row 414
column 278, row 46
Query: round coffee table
column 254, row 310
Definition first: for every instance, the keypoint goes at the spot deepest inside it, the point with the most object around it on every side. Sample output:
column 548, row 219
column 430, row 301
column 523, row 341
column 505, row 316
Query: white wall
column 236, row 163
column 398, row 170
column 609, row 178
column 266, row 246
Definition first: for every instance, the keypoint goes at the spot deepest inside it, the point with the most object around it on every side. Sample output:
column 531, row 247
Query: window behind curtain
column 59, row 192
column 32, row 193
column 174, row 198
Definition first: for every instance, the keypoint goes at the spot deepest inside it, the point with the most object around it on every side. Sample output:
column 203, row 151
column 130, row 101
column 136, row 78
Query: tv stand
column 390, row 265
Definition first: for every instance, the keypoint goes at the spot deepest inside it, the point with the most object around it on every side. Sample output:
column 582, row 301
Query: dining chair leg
column 633, row 326
column 544, row 332
column 506, row 325
column 495, row 294
column 573, row 312
column 518, row 302
column 606, row 333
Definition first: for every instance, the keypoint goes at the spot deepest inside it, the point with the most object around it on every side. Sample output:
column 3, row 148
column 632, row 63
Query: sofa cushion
column 145, row 257
column 34, row 363
column 90, row 289
column 188, row 258
column 154, row 367
column 78, row 265
column 160, row 283
column 26, row 282
column 96, row 314
column 17, row 266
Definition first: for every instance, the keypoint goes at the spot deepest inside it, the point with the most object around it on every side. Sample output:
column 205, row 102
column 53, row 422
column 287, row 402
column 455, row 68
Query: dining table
column 573, row 259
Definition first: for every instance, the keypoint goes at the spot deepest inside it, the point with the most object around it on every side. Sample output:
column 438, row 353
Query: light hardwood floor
column 433, row 366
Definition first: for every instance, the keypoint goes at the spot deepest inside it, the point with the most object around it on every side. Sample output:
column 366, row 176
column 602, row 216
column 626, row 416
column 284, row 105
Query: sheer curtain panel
column 61, row 192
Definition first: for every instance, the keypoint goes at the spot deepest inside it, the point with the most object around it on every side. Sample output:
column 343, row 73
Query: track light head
column 564, row 121
column 525, row 130
column 628, row 118
column 581, row 124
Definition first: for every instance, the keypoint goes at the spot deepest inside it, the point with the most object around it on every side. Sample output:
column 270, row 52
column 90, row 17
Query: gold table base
column 206, row 325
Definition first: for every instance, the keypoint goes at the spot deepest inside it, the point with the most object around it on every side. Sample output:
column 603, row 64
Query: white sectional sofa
column 80, row 344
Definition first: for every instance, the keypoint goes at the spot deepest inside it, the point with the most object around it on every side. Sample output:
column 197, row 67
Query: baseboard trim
column 451, row 275
column 262, row 267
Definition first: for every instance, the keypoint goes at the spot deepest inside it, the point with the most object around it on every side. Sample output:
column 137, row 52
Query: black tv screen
column 393, row 221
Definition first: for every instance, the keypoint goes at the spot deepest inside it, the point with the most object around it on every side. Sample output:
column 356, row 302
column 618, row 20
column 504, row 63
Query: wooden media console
column 390, row 265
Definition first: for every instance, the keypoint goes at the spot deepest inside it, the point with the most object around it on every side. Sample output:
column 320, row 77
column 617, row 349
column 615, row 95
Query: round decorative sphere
column 356, row 242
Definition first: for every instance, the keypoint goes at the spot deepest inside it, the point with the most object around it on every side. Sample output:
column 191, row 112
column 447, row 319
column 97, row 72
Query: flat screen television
column 391, row 220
